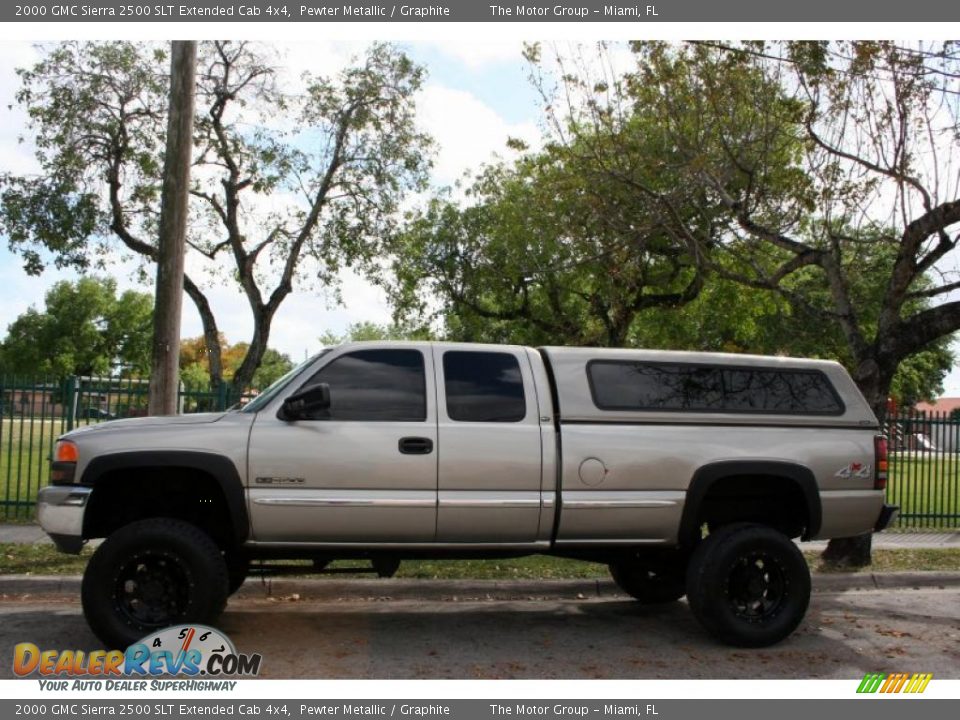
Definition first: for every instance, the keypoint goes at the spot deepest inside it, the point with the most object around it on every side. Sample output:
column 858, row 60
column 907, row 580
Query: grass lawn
column 25, row 447
column 46, row 560
column 927, row 487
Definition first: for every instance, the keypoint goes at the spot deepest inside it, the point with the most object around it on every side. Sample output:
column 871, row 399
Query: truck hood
column 146, row 422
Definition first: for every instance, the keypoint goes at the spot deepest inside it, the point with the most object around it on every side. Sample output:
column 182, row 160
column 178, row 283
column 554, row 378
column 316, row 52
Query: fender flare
column 221, row 468
column 705, row 477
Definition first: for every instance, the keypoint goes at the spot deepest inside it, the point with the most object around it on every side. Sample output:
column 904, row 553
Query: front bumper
column 887, row 515
column 60, row 509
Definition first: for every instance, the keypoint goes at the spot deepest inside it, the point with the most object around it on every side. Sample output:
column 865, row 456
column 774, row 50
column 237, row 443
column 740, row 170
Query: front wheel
column 149, row 575
column 748, row 585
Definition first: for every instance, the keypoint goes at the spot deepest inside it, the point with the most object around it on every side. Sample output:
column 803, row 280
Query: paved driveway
column 845, row 635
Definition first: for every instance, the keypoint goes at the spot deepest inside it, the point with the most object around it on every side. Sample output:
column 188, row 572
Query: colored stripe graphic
column 894, row 683
column 871, row 682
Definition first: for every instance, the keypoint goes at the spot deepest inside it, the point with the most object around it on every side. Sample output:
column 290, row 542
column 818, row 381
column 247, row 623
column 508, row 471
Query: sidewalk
column 29, row 534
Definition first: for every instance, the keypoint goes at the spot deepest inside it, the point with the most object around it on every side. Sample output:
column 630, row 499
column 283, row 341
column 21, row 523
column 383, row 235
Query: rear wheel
column 151, row 574
column 650, row 580
column 748, row 585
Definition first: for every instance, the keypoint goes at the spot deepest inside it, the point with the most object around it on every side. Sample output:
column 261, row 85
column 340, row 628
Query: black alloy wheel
column 149, row 575
column 748, row 585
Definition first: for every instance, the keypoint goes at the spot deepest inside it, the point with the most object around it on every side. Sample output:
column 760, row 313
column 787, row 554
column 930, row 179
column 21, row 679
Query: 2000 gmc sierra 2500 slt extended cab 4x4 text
column 688, row 473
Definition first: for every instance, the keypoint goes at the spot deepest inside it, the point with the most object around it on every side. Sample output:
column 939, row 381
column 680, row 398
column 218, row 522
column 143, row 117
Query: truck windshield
column 271, row 391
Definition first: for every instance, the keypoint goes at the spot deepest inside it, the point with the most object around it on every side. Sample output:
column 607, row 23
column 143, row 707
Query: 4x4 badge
column 854, row 469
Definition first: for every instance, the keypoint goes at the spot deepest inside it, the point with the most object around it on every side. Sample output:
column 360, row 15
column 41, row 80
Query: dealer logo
column 179, row 650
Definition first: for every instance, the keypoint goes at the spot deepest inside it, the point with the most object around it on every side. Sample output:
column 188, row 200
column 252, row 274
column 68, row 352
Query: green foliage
column 97, row 112
column 829, row 161
column 367, row 330
column 273, row 365
column 278, row 174
column 84, row 329
column 685, row 204
column 194, row 360
column 542, row 251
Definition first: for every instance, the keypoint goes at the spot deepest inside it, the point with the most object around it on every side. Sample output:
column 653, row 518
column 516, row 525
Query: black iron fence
column 35, row 411
column 924, row 476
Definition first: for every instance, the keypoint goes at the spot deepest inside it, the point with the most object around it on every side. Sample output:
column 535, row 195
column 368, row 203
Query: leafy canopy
column 85, row 328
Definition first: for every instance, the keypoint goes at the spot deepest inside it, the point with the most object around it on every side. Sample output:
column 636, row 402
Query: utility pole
column 165, row 364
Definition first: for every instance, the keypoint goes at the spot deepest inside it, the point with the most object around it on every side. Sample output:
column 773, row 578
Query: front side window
column 374, row 385
column 483, row 387
column 625, row 385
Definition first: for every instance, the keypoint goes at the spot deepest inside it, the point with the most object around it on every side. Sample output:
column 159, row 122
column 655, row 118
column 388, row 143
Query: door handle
column 415, row 446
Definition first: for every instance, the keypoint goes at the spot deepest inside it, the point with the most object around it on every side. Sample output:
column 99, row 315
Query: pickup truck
column 686, row 473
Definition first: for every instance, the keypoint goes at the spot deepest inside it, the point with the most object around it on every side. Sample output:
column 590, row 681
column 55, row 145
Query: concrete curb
column 17, row 586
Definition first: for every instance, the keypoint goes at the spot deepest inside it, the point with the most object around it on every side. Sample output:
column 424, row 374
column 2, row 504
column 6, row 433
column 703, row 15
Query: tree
column 731, row 317
column 819, row 159
column 543, row 252
column 608, row 237
column 195, row 357
column 84, row 329
column 873, row 190
column 278, row 176
column 467, row 255
column 367, row 330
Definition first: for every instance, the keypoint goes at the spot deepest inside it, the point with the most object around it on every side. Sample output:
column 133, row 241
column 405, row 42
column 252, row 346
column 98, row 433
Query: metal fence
column 924, row 476
column 35, row 411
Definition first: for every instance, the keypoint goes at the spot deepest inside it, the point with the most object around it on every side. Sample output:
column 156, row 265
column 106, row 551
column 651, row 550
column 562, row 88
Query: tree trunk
column 262, row 319
column 165, row 365
column 852, row 552
column 873, row 378
column 211, row 333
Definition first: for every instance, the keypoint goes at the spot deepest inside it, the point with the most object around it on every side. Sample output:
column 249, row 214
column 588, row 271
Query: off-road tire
column 748, row 585
column 651, row 581
column 151, row 574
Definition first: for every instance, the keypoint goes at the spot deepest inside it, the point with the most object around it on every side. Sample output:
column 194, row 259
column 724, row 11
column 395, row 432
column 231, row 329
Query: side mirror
column 315, row 397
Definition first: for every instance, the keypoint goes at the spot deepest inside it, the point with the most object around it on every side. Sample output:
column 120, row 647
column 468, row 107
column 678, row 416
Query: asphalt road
column 845, row 635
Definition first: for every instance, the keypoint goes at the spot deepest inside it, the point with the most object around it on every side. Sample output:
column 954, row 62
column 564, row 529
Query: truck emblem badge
column 854, row 470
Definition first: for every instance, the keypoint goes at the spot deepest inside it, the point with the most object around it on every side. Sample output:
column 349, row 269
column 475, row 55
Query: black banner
column 572, row 11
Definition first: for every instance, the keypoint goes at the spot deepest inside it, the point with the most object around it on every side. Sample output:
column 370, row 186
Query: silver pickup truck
column 687, row 473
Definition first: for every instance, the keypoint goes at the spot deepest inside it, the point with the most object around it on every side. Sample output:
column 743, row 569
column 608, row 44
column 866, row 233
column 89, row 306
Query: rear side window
column 375, row 385
column 625, row 385
column 483, row 387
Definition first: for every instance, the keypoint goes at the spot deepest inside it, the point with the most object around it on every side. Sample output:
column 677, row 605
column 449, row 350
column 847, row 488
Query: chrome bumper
column 60, row 510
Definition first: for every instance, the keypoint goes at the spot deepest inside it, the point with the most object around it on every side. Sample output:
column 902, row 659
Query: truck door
column 364, row 470
column 490, row 448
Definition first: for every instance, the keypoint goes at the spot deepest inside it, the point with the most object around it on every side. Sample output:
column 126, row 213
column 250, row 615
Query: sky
column 475, row 98
column 477, row 95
